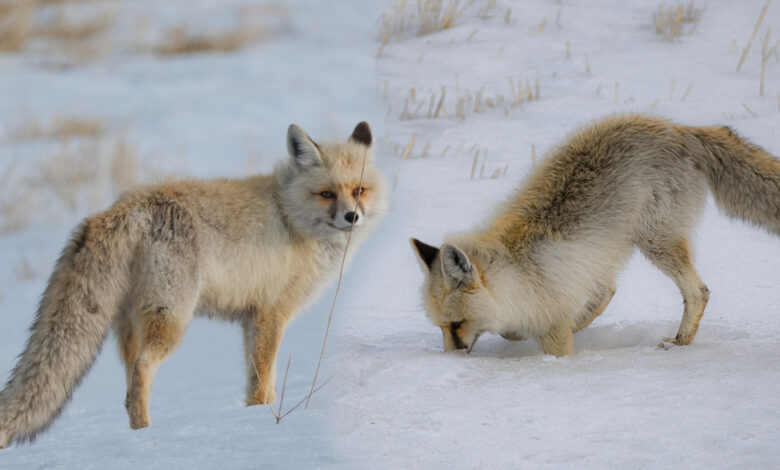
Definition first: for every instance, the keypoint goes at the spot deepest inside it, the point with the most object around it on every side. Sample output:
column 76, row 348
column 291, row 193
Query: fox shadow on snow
column 602, row 338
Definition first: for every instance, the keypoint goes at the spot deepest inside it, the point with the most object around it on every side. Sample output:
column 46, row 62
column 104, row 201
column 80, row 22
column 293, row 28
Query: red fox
column 545, row 267
column 254, row 251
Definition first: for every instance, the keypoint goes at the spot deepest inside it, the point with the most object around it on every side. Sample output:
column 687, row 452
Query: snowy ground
column 396, row 400
column 618, row 401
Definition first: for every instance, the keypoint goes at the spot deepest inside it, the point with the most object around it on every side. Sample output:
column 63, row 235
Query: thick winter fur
column 546, row 265
column 253, row 251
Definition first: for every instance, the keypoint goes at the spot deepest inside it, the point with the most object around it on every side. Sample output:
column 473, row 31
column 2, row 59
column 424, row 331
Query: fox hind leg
column 558, row 340
column 160, row 330
column 674, row 260
column 128, row 347
column 595, row 306
column 162, row 307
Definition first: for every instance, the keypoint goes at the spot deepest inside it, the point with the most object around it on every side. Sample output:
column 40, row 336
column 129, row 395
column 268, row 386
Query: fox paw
column 512, row 336
column 259, row 399
column 673, row 341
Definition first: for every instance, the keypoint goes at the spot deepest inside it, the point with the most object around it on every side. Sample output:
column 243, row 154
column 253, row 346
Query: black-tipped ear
column 426, row 253
column 362, row 134
column 456, row 267
column 303, row 151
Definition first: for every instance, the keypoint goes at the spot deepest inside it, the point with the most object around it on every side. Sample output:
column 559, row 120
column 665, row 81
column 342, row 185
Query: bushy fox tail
column 74, row 317
column 743, row 178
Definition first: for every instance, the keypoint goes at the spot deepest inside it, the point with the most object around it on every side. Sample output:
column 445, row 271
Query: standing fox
column 546, row 266
column 254, row 251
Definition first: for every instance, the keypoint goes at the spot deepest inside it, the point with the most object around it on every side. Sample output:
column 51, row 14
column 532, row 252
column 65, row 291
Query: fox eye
column 358, row 191
column 327, row 195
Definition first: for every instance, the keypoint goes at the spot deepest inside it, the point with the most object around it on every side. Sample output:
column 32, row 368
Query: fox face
column 456, row 296
column 331, row 188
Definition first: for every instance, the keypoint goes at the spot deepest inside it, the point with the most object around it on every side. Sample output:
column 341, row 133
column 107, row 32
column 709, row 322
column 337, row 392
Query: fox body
column 545, row 266
column 253, row 251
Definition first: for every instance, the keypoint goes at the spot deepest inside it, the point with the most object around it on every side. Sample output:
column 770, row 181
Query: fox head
column 331, row 188
column 455, row 295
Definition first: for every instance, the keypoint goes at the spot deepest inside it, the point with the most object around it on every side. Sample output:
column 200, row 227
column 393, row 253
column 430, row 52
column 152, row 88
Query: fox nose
column 351, row 217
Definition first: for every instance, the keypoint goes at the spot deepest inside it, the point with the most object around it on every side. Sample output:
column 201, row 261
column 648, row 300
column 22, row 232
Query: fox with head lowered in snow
column 254, row 251
column 545, row 267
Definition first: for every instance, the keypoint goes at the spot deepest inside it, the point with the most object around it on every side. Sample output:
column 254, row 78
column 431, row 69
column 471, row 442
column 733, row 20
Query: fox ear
column 456, row 267
column 361, row 134
column 303, row 151
column 425, row 253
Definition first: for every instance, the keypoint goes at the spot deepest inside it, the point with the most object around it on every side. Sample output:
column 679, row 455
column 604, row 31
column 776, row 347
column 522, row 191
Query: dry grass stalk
column 182, row 40
column 335, row 296
column 494, row 174
column 750, row 111
column 425, row 150
column 409, row 147
column 539, row 29
column 441, row 103
column 687, row 91
column 671, row 22
column 394, row 24
column 520, row 95
column 766, row 53
column 474, row 165
column 434, row 16
column 508, row 16
column 753, row 34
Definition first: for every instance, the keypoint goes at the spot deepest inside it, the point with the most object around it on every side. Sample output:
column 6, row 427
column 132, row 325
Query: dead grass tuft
column 181, row 39
column 52, row 26
column 15, row 24
column 673, row 21
column 434, row 16
column 466, row 102
column 60, row 128
column 65, row 27
column 80, row 169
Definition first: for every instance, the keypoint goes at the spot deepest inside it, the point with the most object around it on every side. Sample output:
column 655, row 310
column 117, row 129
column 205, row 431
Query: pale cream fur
column 546, row 265
column 254, row 251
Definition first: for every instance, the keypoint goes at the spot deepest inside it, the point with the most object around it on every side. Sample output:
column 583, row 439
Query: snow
column 396, row 400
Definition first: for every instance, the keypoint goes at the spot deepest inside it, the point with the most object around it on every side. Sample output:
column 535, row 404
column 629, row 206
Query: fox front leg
column 263, row 334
